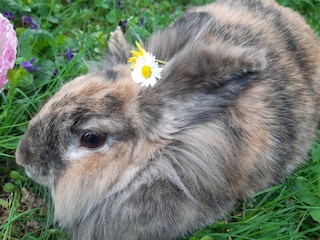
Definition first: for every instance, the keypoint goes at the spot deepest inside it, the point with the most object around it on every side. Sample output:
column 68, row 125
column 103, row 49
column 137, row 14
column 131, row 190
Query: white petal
column 149, row 58
column 157, row 72
column 137, row 76
column 149, row 82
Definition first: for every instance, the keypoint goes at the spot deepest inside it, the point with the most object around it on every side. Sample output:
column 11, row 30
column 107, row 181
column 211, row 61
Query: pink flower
column 8, row 48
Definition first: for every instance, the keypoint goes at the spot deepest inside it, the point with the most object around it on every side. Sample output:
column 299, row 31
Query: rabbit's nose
column 23, row 153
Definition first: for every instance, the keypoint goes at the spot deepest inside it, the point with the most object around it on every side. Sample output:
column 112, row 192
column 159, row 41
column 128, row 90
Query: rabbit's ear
column 201, row 81
column 201, row 68
column 119, row 49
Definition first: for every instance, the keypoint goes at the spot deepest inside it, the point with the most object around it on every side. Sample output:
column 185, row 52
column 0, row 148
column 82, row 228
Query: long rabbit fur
column 235, row 111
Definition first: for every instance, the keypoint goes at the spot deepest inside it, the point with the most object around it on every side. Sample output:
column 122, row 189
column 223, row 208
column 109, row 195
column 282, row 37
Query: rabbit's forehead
column 89, row 97
column 82, row 88
column 94, row 91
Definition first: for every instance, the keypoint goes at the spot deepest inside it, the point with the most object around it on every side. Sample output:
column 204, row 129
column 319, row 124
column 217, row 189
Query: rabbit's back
column 254, row 143
column 269, row 130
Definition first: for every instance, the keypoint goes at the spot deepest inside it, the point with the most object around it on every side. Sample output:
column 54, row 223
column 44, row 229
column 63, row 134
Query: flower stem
column 161, row 62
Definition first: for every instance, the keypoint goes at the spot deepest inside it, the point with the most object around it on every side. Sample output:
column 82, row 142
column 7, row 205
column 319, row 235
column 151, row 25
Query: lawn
column 58, row 39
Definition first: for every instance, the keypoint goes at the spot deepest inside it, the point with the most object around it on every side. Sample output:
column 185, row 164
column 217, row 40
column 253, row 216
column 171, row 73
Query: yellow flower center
column 146, row 71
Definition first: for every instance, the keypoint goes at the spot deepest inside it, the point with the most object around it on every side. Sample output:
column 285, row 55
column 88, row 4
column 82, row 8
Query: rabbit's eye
column 92, row 139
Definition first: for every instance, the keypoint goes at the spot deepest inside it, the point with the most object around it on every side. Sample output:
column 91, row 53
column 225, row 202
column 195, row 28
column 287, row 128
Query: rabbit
column 234, row 112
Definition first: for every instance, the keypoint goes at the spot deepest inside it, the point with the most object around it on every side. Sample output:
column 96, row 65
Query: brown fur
column 235, row 111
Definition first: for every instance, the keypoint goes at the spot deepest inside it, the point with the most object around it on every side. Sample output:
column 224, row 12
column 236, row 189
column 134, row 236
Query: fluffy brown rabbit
column 235, row 111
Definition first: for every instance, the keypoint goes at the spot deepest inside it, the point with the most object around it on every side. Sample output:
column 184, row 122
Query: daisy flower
column 145, row 67
column 146, row 70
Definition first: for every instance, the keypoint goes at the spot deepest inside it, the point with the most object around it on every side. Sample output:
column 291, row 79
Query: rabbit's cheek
column 99, row 175
column 83, row 186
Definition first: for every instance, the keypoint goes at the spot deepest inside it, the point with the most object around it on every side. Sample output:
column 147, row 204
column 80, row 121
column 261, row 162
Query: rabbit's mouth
column 29, row 173
column 36, row 176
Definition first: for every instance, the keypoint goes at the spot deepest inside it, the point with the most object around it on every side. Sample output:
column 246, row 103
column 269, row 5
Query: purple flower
column 8, row 48
column 141, row 22
column 34, row 25
column 29, row 66
column 119, row 2
column 69, row 54
column 8, row 15
column 55, row 73
column 27, row 21
column 123, row 24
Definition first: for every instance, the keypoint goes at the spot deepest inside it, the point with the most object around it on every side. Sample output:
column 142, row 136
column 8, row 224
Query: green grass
column 287, row 211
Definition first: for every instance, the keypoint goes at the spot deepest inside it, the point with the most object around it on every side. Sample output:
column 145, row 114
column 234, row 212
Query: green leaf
column 111, row 16
column 43, row 39
column 61, row 39
column 46, row 72
column 315, row 152
column 305, row 192
column 101, row 4
column 315, row 214
column 11, row 75
column 4, row 203
column 15, row 5
column 20, row 77
column 15, row 175
column 32, row 42
column 9, row 187
column 206, row 238
column 193, row 238
column 26, row 80
column 53, row 20
column 26, row 41
column 20, row 30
